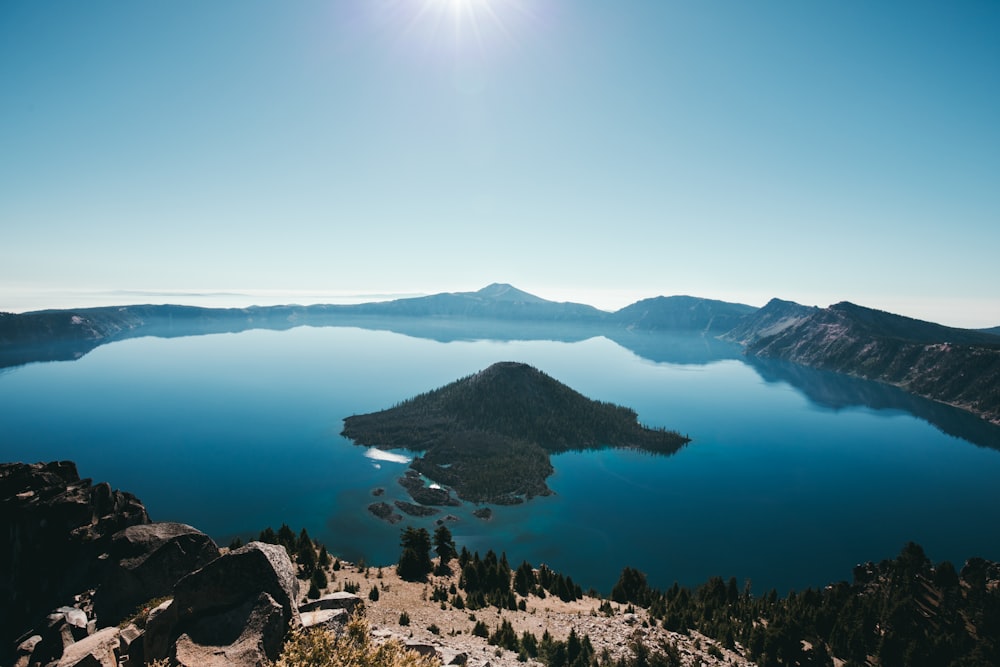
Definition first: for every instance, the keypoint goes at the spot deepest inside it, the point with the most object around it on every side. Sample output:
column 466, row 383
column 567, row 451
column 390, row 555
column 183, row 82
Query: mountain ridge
column 959, row 367
column 947, row 364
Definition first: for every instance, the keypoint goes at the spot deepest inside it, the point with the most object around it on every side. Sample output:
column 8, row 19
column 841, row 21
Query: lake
column 791, row 478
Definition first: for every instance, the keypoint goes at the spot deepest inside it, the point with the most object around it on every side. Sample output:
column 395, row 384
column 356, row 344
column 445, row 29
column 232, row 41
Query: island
column 488, row 436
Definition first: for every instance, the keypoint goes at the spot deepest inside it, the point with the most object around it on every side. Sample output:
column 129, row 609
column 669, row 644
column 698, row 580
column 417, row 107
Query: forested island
column 489, row 436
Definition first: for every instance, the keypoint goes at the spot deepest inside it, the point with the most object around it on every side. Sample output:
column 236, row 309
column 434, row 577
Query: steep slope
column 489, row 435
column 682, row 313
column 773, row 318
column 955, row 366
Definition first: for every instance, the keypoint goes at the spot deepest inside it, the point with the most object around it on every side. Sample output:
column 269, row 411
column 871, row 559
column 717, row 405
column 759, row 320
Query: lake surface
column 791, row 478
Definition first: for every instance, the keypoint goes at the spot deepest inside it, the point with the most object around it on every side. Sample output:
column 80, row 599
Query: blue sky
column 579, row 149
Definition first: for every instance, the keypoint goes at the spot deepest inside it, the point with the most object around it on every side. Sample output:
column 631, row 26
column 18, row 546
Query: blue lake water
column 791, row 478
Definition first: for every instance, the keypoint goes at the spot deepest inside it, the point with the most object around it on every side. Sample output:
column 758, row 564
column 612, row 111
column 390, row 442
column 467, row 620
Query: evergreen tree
column 415, row 559
column 324, row 557
column 286, row 538
column 524, row 579
column 631, row 586
column 444, row 545
column 319, row 579
column 306, row 557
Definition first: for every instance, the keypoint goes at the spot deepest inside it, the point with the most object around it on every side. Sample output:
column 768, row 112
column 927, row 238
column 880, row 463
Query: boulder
column 455, row 658
column 251, row 634
column 339, row 600
column 74, row 618
column 131, row 645
column 25, row 650
column 243, row 599
column 426, row 650
column 333, row 620
column 146, row 562
column 98, row 650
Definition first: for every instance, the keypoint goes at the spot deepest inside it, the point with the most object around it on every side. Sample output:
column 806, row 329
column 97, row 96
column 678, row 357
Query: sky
column 249, row 151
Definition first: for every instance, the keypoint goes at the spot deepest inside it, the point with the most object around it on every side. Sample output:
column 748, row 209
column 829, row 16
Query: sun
column 468, row 23
column 459, row 6
column 457, row 29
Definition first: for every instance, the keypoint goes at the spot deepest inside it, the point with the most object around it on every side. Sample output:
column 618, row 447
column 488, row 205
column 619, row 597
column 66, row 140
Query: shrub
column 404, row 618
column 320, row 648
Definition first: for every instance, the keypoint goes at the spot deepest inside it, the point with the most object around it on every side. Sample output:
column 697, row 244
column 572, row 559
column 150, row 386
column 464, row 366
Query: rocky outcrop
column 146, row 562
column 68, row 537
column 234, row 611
column 55, row 528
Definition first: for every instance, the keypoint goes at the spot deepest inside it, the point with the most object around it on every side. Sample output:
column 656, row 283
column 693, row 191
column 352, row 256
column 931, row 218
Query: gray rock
column 97, row 650
column 459, row 659
column 251, row 635
column 147, row 561
column 423, row 649
column 328, row 619
column 25, row 649
column 131, row 645
column 338, row 600
column 244, row 598
column 160, row 624
column 73, row 616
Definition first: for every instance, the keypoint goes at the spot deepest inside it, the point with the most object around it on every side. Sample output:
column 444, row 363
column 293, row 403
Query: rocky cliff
column 55, row 527
column 89, row 580
column 955, row 366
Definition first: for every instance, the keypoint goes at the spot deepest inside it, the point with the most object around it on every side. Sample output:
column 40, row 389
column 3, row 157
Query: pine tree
column 444, row 545
column 415, row 559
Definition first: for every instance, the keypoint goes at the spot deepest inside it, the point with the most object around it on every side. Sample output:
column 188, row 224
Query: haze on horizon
column 579, row 150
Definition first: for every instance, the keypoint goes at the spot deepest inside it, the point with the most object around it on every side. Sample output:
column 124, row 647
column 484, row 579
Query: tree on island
column 415, row 559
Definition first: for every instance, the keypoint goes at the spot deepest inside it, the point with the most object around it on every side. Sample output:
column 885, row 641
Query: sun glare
column 464, row 25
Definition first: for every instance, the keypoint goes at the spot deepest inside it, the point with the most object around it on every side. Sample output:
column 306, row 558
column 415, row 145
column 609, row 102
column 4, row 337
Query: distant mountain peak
column 776, row 316
column 507, row 292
